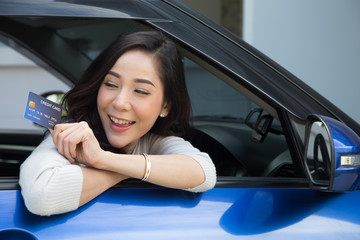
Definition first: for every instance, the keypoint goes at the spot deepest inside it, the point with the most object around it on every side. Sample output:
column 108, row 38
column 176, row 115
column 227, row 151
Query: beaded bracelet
column 147, row 167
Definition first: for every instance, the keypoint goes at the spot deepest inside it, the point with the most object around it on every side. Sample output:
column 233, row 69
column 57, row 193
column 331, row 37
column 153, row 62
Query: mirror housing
column 260, row 123
column 332, row 154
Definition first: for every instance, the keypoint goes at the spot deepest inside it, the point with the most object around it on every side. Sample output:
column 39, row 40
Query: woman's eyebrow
column 144, row 81
column 114, row 74
column 138, row 80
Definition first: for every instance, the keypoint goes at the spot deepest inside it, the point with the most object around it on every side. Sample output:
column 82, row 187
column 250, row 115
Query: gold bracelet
column 147, row 167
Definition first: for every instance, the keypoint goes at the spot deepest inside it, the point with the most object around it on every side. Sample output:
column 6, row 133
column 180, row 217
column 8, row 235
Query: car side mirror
column 332, row 154
column 56, row 96
column 260, row 123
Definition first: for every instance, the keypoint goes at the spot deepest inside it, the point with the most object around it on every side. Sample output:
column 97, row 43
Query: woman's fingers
column 58, row 129
column 59, row 134
column 70, row 142
column 67, row 136
column 78, row 135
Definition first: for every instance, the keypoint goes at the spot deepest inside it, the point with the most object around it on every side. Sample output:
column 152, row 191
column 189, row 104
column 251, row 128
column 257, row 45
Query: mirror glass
column 56, row 97
column 318, row 153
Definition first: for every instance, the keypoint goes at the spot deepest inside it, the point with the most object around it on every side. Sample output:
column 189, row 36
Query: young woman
column 125, row 117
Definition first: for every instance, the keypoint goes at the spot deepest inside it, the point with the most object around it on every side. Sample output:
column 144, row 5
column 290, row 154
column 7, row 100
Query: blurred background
column 316, row 40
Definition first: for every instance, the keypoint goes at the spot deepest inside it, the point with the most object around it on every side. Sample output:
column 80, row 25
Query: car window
column 223, row 115
column 223, row 119
column 18, row 76
column 213, row 98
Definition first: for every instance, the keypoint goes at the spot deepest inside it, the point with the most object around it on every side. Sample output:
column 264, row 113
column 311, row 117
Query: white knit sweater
column 50, row 184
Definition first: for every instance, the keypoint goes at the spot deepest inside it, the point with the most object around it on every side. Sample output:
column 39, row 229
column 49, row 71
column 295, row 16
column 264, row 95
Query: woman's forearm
column 96, row 181
column 174, row 171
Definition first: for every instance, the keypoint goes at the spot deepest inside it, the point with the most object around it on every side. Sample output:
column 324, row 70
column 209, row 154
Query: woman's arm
column 194, row 171
column 174, row 162
column 50, row 184
column 172, row 146
column 173, row 171
column 97, row 181
column 170, row 170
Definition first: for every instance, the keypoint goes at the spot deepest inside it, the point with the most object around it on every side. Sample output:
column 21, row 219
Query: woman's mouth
column 121, row 122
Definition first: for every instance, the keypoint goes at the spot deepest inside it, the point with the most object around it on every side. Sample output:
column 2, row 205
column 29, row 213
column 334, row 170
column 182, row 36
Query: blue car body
column 221, row 213
column 248, row 206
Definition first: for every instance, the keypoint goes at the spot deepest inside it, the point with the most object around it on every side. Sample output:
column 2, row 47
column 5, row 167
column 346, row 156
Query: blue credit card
column 42, row 111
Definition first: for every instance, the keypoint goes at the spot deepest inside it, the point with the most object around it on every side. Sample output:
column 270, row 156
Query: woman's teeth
column 120, row 121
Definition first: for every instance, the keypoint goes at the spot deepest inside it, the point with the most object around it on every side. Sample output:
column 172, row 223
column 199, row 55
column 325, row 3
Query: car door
column 245, row 115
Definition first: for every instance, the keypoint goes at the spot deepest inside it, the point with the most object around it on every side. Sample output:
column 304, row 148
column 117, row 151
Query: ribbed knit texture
column 51, row 184
column 156, row 145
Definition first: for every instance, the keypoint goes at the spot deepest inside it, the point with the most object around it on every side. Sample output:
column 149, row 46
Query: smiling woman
column 125, row 117
column 131, row 99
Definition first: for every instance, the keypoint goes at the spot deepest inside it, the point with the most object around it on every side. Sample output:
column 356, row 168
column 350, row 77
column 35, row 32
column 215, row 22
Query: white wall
column 316, row 40
column 18, row 76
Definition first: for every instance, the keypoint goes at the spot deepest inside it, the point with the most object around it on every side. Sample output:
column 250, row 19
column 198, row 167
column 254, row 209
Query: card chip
column 31, row 104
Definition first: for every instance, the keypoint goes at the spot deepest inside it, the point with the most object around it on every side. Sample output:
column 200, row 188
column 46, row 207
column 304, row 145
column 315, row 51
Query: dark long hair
column 81, row 101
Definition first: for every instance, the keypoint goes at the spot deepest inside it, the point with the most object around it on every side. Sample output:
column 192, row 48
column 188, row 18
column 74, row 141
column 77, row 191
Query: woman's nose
column 122, row 101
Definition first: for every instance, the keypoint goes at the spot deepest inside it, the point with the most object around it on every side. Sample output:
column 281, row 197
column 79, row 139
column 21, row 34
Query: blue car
column 287, row 160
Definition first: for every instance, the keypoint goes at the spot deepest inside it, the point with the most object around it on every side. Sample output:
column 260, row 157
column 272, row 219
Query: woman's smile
column 120, row 125
column 121, row 122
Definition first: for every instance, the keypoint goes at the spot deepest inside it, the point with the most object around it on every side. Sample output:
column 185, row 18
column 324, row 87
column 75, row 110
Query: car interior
column 240, row 131
column 241, row 137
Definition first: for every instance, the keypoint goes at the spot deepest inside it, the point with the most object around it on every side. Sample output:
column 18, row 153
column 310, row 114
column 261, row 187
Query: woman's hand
column 77, row 142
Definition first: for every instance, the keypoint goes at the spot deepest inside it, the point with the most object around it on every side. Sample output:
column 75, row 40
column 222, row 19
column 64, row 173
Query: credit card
column 42, row 111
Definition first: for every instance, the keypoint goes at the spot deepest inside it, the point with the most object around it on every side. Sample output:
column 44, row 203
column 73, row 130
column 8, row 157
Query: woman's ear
column 165, row 110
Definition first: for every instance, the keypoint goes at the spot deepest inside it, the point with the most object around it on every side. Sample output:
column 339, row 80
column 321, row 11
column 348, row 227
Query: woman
column 124, row 115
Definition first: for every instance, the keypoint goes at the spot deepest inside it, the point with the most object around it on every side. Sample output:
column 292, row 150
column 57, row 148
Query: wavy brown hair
column 81, row 101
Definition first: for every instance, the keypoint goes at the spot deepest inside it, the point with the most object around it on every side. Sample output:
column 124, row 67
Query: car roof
column 234, row 57
column 81, row 8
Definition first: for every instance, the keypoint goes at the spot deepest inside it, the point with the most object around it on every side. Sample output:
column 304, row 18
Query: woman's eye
column 142, row 92
column 108, row 84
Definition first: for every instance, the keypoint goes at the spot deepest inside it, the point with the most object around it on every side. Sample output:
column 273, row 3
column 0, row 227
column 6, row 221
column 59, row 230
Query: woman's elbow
column 35, row 201
column 40, row 203
column 207, row 184
column 45, row 200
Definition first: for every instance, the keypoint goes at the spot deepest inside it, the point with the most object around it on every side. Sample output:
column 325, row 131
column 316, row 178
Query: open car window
column 224, row 120
column 224, row 113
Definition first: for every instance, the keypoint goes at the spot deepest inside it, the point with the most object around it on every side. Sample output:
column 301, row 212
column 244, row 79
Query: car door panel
column 221, row 213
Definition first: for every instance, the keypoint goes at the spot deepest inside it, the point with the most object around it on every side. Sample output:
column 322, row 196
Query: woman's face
column 130, row 99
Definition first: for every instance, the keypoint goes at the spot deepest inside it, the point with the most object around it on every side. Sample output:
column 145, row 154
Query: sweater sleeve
column 50, row 184
column 153, row 144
